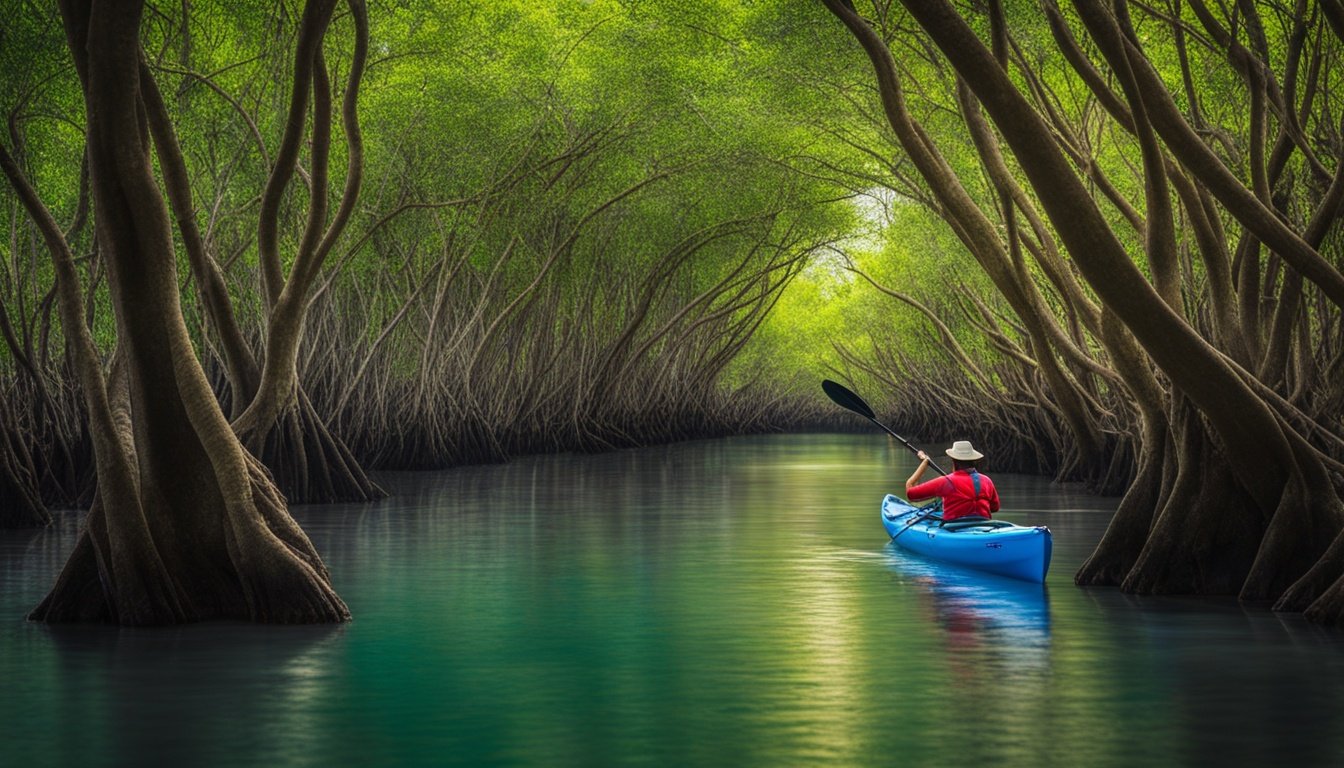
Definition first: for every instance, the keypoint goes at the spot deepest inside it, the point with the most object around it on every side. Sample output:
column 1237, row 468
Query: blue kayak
column 995, row 546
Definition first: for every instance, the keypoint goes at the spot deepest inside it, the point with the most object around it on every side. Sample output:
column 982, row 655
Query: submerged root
column 1294, row 544
column 1329, row 607
column 78, row 595
column 282, row 578
column 113, row 578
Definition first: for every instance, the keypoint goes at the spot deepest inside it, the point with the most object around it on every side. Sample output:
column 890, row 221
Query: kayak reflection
column 976, row 610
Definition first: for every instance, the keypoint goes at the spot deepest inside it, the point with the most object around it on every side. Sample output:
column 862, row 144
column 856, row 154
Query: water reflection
column 721, row 603
column 1209, row 663
column 989, row 625
column 177, row 696
column 976, row 609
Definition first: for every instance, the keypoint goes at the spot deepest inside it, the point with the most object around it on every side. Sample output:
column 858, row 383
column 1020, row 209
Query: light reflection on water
column 727, row 602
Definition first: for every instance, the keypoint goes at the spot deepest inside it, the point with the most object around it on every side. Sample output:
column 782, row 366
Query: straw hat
column 961, row 450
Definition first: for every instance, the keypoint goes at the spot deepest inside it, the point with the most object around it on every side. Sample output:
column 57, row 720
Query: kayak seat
column 980, row 522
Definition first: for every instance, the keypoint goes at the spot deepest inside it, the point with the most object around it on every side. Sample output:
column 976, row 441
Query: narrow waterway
column 731, row 602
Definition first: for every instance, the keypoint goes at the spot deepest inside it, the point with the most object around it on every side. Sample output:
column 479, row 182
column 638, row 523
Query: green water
column 730, row 602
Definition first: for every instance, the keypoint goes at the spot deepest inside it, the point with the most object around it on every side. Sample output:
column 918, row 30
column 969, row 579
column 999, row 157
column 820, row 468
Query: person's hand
column 922, row 456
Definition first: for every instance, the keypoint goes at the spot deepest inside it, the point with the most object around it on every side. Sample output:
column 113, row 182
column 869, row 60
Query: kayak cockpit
column 961, row 525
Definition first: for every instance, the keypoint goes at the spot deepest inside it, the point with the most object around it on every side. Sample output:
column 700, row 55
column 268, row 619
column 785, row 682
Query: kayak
column 994, row 546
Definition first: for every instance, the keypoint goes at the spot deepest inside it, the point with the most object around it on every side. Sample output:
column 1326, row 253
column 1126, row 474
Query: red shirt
column 958, row 493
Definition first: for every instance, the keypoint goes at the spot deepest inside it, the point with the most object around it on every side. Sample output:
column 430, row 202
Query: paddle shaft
column 932, row 509
column 847, row 399
column 912, row 448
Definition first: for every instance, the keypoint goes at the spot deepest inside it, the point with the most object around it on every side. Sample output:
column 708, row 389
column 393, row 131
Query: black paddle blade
column 844, row 398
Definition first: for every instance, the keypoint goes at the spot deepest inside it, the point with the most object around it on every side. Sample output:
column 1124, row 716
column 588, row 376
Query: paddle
column 845, row 398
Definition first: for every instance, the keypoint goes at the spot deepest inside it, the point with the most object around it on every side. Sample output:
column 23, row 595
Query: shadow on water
column 1240, row 684
column 194, row 682
column 1300, row 720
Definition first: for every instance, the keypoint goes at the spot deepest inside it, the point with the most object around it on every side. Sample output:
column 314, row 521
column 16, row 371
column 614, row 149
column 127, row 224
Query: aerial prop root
column 1205, row 537
column 1124, row 539
column 1319, row 591
column 308, row 462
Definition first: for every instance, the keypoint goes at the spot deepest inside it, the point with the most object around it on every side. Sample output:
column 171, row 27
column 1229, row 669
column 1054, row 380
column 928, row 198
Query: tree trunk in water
column 1203, row 540
column 1296, row 549
column 1124, row 539
column 1123, row 542
column 186, row 525
column 1320, row 592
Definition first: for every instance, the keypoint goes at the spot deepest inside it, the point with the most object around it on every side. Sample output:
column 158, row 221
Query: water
column 730, row 602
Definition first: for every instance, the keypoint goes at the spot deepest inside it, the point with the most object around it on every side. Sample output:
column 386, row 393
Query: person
column 965, row 493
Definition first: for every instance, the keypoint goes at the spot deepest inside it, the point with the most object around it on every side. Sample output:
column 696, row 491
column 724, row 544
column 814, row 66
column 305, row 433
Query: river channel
column 731, row 602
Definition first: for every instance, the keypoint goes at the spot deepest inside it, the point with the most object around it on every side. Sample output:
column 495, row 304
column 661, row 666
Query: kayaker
column 965, row 493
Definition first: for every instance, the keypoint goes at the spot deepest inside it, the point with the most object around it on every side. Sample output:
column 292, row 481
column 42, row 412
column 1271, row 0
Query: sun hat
column 961, row 450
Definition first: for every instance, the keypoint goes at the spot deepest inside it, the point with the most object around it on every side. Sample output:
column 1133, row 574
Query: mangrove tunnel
column 254, row 252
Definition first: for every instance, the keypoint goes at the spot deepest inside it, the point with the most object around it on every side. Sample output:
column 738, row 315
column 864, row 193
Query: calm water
column 720, row 603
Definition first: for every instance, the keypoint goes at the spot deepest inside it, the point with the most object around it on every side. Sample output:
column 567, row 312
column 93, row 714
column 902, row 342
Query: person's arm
column 919, row 472
column 993, row 499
